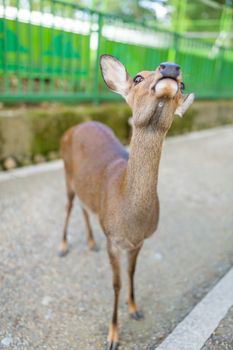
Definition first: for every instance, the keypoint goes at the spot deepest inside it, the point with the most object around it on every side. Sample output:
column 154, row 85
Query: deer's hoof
column 112, row 345
column 112, row 341
column 63, row 249
column 61, row 254
column 137, row 315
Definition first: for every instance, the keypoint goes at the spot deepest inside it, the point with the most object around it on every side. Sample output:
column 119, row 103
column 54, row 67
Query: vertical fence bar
column 53, row 71
column 30, row 68
column 218, row 73
column 5, row 58
column 63, row 48
column 41, row 45
column 74, row 38
column 96, row 75
column 18, row 58
column 172, row 53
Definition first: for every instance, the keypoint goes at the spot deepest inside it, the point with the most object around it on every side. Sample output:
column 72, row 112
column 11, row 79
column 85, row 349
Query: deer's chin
column 166, row 87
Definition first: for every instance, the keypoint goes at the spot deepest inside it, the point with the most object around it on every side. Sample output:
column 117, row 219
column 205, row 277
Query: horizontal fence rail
column 50, row 51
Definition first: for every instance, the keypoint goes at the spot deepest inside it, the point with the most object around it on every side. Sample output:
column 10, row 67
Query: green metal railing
column 50, row 51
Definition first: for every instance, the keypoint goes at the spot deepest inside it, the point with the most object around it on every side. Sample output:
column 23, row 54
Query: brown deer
column 120, row 188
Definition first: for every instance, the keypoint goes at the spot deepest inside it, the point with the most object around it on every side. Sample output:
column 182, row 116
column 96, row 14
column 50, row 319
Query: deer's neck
column 143, row 166
column 145, row 152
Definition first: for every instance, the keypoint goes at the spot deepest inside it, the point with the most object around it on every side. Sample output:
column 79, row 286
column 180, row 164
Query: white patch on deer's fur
column 166, row 87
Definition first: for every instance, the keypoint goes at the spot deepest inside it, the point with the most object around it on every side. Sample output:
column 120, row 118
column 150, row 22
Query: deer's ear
column 115, row 75
column 187, row 100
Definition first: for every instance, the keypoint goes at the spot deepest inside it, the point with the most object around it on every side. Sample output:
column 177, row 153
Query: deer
column 121, row 187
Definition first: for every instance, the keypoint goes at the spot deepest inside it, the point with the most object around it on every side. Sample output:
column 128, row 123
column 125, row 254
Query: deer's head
column 154, row 96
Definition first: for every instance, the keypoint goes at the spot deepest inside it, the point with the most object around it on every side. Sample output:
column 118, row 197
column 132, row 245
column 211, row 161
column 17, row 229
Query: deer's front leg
column 114, row 257
column 133, row 309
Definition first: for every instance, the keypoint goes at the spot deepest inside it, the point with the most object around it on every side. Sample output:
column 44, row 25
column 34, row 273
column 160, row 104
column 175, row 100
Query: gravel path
column 47, row 302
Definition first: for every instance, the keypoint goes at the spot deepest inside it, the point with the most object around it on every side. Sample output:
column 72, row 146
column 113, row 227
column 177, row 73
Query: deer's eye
column 138, row 79
column 182, row 86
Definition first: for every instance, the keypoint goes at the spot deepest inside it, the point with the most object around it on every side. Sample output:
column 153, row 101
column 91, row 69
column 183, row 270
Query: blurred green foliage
column 209, row 16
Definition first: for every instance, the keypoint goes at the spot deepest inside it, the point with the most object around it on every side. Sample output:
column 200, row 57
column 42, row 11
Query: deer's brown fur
column 121, row 189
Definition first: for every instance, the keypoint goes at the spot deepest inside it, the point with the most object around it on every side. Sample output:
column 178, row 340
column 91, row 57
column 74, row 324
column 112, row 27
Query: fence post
column 219, row 66
column 5, row 51
column 96, row 73
column 172, row 53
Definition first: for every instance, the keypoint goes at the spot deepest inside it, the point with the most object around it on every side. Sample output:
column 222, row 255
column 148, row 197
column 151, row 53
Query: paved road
column 65, row 304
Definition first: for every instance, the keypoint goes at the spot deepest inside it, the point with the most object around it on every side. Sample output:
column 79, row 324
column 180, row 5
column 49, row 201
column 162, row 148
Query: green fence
column 49, row 50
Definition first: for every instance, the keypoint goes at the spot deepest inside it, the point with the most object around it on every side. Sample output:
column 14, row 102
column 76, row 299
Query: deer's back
column 88, row 150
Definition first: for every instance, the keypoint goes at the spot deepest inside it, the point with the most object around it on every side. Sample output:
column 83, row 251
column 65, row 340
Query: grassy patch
column 48, row 126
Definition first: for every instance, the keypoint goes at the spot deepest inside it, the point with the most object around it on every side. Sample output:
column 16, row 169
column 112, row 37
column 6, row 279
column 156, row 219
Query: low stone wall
column 32, row 134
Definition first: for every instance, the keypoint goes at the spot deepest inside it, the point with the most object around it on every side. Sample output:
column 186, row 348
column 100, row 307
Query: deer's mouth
column 166, row 87
column 167, row 77
column 181, row 84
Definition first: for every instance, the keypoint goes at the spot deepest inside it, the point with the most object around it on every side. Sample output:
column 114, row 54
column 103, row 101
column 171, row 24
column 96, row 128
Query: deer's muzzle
column 169, row 70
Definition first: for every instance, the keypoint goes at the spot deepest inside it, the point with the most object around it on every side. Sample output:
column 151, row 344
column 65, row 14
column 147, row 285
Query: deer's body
column 93, row 148
column 97, row 173
column 120, row 188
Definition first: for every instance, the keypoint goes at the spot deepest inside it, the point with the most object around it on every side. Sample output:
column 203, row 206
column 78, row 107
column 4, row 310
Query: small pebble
column 158, row 256
column 49, row 315
column 52, row 155
column 7, row 341
column 46, row 300
column 9, row 163
column 39, row 158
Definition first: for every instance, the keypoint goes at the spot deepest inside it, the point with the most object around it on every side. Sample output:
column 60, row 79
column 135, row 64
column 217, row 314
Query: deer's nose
column 169, row 70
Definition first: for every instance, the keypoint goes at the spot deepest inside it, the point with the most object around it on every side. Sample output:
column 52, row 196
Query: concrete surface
column 51, row 303
column 222, row 337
